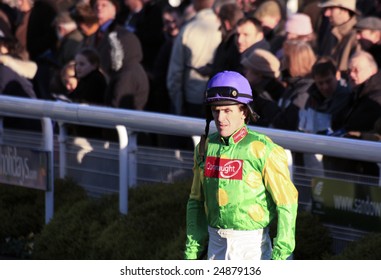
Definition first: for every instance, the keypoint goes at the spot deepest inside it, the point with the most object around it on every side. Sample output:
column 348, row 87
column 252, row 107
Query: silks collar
column 236, row 136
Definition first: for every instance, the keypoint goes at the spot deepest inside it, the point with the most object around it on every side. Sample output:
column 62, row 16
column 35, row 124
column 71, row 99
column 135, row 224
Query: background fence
column 99, row 165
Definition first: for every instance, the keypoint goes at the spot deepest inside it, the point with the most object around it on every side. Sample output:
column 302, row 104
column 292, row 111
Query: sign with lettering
column 346, row 203
column 23, row 167
column 224, row 168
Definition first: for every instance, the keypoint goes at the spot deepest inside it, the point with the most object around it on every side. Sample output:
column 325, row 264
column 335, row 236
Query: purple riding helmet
column 228, row 86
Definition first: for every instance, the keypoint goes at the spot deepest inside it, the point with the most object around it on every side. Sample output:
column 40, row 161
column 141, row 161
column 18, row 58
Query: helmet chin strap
column 253, row 115
column 202, row 146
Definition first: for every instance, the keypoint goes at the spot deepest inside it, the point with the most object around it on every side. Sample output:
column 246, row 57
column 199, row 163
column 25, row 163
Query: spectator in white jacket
column 193, row 48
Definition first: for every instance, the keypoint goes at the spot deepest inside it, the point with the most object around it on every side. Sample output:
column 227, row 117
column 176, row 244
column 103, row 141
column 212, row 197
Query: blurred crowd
column 313, row 67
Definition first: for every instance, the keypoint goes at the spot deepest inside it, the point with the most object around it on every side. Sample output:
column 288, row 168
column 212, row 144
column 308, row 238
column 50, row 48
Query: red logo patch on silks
column 224, row 168
column 240, row 134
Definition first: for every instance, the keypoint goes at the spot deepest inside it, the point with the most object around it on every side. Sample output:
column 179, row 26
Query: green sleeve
column 197, row 230
column 197, row 225
column 285, row 196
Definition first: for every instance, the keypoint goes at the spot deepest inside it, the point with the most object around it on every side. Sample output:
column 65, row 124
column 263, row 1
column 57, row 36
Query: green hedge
column 94, row 229
column 366, row 248
column 84, row 228
column 22, row 212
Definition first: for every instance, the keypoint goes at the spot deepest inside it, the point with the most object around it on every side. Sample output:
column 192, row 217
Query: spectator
column 262, row 70
column 297, row 65
column 10, row 56
column 92, row 82
column 85, row 18
column 25, row 8
column 65, row 82
column 339, row 40
column 327, row 98
column 363, row 111
column 298, row 27
column 70, row 38
column 369, row 36
column 194, row 47
column 270, row 15
column 250, row 36
column 111, row 40
column 311, row 8
column 41, row 43
column 129, row 87
column 14, row 84
column 91, row 88
column 227, row 56
column 159, row 100
column 145, row 21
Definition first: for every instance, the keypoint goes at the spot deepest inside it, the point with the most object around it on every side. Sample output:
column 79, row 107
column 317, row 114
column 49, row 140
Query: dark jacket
column 227, row 56
column 333, row 106
column 365, row 107
column 129, row 86
column 293, row 99
column 90, row 89
column 112, row 45
column 149, row 30
column 362, row 114
column 263, row 44
column 13, row 84
column 69, row 47
column 265, row 100
column 340, row 42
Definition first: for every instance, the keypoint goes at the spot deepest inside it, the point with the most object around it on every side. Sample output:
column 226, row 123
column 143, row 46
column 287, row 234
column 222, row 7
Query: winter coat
column 129, row 86
column 293, row 99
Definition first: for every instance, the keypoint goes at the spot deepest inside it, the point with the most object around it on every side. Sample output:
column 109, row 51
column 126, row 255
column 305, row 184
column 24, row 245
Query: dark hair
column 83, row 13
column 253, row 20
column 13, row 46
column 324, row 66
column 230, row 12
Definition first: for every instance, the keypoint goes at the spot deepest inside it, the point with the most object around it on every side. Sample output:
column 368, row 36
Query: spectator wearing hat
column 262, row 70
column 339, row 39
column 369, row 36
column 298, row 27
column 311, row 8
